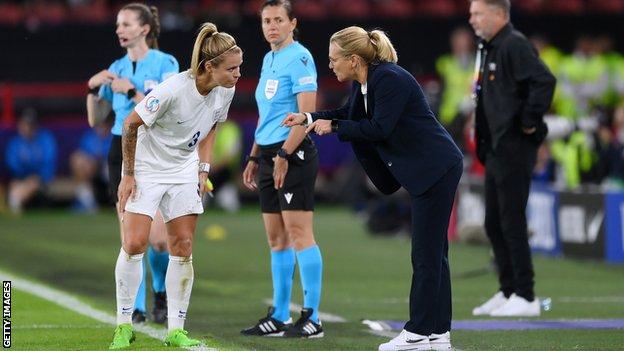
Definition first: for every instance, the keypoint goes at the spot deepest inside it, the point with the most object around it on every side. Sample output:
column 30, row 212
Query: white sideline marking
column 63, row 299
column 62, row 326
column 325, row 317
column 593, row 299
column 562, row 299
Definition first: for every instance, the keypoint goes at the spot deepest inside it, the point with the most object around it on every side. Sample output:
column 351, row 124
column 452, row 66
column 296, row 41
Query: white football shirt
column 177, row 117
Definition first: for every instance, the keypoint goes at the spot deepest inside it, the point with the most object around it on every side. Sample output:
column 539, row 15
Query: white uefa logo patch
column 152, row 104
column 270, row 88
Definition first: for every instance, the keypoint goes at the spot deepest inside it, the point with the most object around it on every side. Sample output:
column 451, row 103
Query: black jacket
column 399, row 142
column 516, row 91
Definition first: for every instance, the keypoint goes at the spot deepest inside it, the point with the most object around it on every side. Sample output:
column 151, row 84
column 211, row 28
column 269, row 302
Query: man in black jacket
column 513, row 91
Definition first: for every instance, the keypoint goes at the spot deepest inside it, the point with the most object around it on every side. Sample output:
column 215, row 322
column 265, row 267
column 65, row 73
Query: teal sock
column 139, row 303
column 282, row 270
column 158, row 262
column 311, row 272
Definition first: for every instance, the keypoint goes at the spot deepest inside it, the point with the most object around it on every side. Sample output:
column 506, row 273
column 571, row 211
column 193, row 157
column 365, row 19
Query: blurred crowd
column 180, row 13
column 586, row 120
column 585, row 144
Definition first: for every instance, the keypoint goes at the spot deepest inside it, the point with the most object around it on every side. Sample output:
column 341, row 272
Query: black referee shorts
column 297, row 194
column 115, row 159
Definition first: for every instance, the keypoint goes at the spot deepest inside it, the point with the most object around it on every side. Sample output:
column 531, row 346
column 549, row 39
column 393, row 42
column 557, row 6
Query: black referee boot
column 304, row 327
column 268, row 326
column 159, row 313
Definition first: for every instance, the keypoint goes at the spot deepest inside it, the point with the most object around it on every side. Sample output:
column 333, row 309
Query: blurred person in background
column 225, row 164
column 513, row 91
column 283, row 164
column 575, row 157
column 31, row 161
column 553, row 58
column 89, row 168
column 167, row 149
column 544, row 170
column 399, row 143
column 456, row 70
column 584, row 80
column 611, row 151
column 121, row 87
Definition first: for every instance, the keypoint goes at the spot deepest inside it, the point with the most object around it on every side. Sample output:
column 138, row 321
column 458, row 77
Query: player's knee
column 132, row 246
column 159, row 246
column 279, row 242
column 296, row 231
column 182, row 247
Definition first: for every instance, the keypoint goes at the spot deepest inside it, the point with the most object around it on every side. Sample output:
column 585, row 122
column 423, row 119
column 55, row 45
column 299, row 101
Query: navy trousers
column 430, row 295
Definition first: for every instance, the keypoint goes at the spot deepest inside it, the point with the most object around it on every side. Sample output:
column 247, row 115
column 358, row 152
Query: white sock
column 179, row 283
column 128, row 275
column 84, row 194
column 14, row 205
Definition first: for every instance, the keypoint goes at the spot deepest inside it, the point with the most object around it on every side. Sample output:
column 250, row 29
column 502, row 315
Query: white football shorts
column 173, row 200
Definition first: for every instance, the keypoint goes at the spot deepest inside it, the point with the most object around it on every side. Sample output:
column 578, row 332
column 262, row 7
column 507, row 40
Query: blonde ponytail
column 210, row 46
column 385, row 51
column 370, row 46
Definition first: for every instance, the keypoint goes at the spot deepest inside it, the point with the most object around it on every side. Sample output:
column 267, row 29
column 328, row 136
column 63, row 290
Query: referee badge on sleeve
column 270, row 88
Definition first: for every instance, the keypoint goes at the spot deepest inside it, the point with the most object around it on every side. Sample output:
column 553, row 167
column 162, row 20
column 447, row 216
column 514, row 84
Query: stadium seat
column 605, row 6
column 310, row 9
column 530, row 6
column 394, row 8
column 11, row 14
column 439, row 8
column 571, row 7
column 353, row 9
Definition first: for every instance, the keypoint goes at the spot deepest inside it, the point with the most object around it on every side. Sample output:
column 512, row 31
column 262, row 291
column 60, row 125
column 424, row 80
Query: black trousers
column 430, row 295
column 507, row 183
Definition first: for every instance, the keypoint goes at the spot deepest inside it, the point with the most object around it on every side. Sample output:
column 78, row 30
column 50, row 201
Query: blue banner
column 542, row 220
column 614, row 238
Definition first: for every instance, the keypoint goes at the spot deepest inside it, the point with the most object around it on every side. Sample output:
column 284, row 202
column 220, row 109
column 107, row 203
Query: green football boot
column 123, row 337
column 178, row 338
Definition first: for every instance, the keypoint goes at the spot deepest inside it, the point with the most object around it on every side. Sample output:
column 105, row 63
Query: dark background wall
column 75, row 52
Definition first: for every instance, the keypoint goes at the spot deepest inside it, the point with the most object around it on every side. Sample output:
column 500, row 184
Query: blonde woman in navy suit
column 399, row 143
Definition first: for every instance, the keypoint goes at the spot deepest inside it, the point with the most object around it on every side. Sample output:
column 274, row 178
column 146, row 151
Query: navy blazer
column 399, row 142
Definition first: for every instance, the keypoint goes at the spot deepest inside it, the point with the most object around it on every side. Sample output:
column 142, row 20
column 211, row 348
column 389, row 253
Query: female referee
column 286, row 162
column 121, row 86
column 399, row 143
column 167, row 146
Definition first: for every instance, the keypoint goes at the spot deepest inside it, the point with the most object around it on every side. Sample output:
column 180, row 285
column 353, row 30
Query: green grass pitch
column 364, row 278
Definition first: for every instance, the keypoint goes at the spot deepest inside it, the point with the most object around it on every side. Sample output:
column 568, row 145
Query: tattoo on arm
column 128, row 144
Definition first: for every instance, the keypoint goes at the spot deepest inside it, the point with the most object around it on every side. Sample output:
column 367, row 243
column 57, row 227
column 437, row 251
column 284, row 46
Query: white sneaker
column 407, row 341
column 490, row 305
column 518, row 306
column 440, row 342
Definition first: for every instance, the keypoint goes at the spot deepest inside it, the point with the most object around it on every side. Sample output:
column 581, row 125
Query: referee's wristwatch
column 94, row 91
column 252, row 158
column 283, row 154
column 131, row 93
